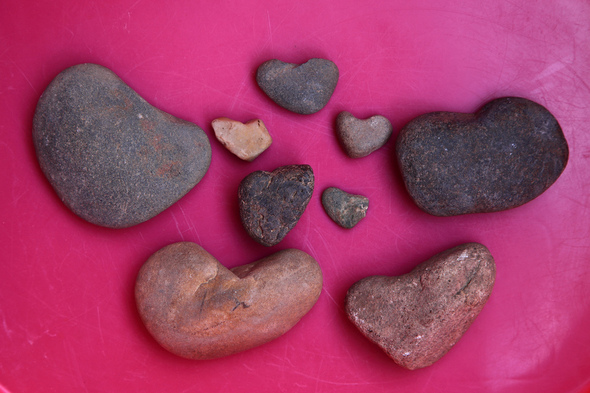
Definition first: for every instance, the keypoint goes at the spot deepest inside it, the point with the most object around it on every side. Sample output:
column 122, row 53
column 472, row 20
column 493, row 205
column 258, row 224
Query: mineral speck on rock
column 359, row 137
column 345, row 209
column 418, row 317
column 271, row 203
column 112, row 158
column 501, row 157
column 196, row 308
column 246, row 141
column 303, row 89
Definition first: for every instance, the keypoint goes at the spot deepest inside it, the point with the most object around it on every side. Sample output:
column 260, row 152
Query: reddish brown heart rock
column 196, row 308
column 503, row 156
column 361, row 137
column 416, row 318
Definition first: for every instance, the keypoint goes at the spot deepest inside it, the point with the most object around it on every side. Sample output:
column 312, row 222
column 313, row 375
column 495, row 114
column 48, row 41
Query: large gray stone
column 501, row 157
column 112, row 158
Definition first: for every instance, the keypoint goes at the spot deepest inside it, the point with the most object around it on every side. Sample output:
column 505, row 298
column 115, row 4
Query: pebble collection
column 117, row 161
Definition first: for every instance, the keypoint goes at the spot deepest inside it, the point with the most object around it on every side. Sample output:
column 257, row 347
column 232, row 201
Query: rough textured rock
column 112, row 158
column 501, row 157
column 196, row 308
column 416, row 318
column 246, row 141
column 271, row 203
column 303, row 89
column 345, row 209
column 359, row 137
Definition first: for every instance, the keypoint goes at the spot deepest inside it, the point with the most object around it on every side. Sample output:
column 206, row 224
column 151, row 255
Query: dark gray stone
column 345, row 209
column 112, row 158
column 501, row 157
column 361, row 137
column 303, row 89
column 271, row 203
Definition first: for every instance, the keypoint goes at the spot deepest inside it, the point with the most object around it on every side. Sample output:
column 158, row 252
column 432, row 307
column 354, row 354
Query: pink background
column 68, row 321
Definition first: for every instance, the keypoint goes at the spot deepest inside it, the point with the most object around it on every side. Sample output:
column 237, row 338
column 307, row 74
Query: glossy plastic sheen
column 68, row 321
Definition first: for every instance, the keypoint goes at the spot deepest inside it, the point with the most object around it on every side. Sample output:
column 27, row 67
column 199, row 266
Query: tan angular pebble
column 416, row 318
column 246, row 141
column 196, row 308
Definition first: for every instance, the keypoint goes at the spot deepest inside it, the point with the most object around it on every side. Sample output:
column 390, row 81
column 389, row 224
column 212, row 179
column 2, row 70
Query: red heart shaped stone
column 196, row 308
column 416, row 318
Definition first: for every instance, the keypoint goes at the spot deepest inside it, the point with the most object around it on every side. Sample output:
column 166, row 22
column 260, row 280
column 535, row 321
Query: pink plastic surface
column 68, row 321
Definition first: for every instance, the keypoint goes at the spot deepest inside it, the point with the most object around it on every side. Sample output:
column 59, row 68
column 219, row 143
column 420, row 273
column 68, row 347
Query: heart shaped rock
column 501, row 157
column 246, row 141
column 271, row 203
column 112, row 158
column 303, row 89
column 345, row 209
column 358, row 137
column 416, row 318
column 196, row 308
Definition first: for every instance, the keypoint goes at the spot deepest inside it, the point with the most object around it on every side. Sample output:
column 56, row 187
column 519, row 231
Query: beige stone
column 246, row 141
column 196, row 308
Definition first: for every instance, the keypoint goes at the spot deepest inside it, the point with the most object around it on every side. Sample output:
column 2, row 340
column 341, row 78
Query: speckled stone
column 345, row 209
column 303, row 89
column 501, row 157
column 361, row 137
column 196, row 308
column 112, row 158
column 418, row 317
column 271, row 203
column 246, row 141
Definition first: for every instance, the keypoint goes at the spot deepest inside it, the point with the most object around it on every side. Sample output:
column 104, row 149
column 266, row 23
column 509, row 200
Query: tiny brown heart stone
column 343, row 208
column 246, row 141
column 416, row 318
column 501, row 157
column 271, row 203
column 358, row 137
column 303, row 89
column 196, row 308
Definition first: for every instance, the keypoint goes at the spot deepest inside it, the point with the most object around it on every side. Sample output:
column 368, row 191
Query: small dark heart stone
column 112, row 158
column 196, row 308
column 501, row 157
column 271, row 203
column 418, row 317
column 359, row 137
column 303, row 89
column 345, row 209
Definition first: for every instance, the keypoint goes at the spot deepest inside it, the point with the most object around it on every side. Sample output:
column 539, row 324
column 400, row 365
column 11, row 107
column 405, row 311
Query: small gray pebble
column 345, row 209
column 359, row 137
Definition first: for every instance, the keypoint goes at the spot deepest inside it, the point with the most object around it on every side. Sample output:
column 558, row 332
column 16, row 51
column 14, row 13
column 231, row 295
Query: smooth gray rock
column 112, row 158
column 303, row 89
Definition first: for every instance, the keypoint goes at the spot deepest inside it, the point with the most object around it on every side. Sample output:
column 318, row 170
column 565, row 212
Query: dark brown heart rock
column 416, row 318
column 196, row 308
column 359, row 137
column 271, row 203
column 345, row 209
column 112, row 158
column 501, row 157
column 303, row 89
